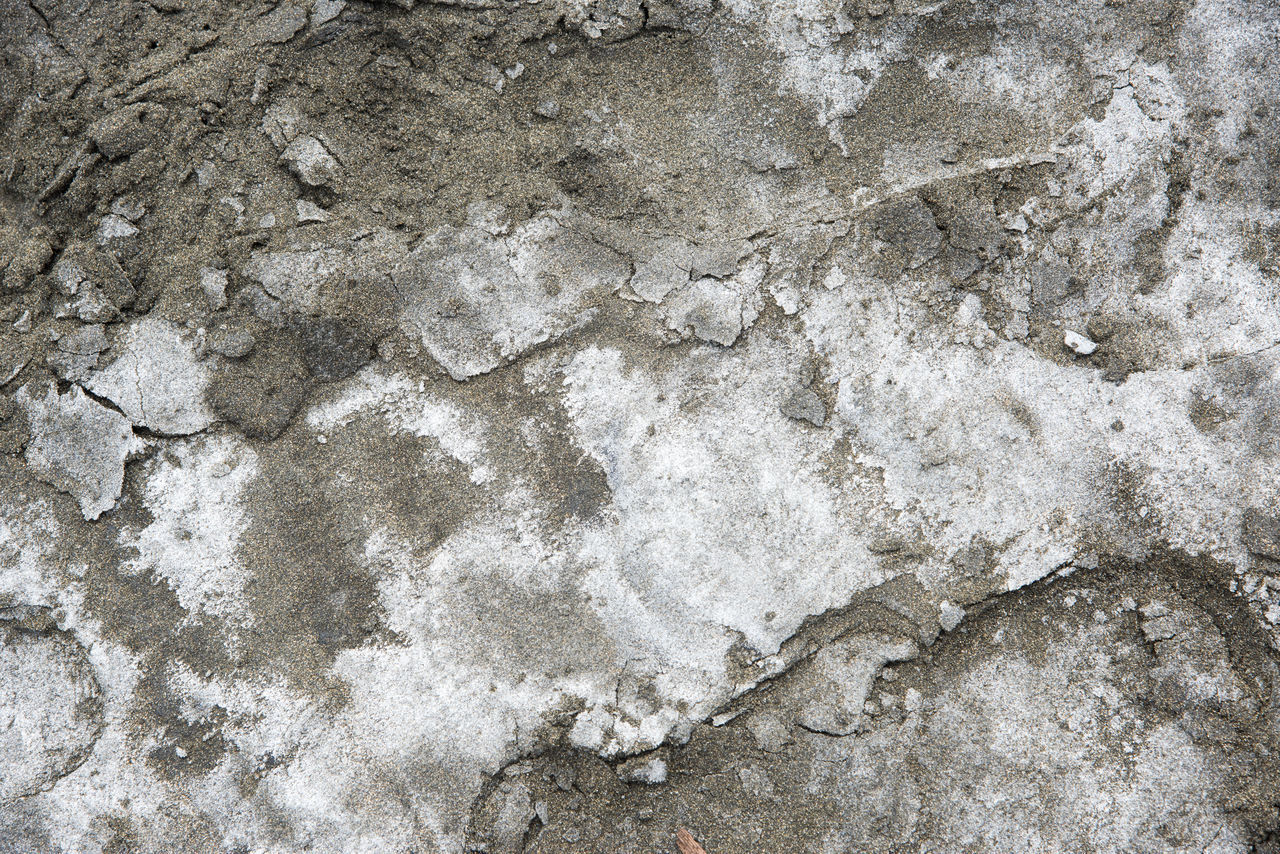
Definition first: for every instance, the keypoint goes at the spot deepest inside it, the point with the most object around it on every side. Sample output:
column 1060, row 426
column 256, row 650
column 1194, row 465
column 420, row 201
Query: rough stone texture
column 514, row 427
column 78, row 446
column 156, row 379
column 50, row 705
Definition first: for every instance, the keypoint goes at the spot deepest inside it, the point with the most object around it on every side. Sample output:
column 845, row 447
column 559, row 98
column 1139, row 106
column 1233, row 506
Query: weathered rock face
column 1081, row 713
column 426, row 426
column 51, row 702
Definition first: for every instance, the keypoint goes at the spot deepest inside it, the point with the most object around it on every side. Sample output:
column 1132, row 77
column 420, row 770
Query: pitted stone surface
column 497, row 424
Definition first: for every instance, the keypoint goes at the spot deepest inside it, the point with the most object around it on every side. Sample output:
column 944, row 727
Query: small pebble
column 1078, row 344
column 950, row 615
column 310, row 212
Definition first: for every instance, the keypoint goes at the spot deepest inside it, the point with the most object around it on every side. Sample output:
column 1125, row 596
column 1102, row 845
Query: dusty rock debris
column 639, row 426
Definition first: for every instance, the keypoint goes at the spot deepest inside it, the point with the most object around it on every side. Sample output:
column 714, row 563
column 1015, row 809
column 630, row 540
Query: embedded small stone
column 805, row 405
column 309, row 159
column 310, row 212
column 1078, row 344
column 648, row 770
column 213, row 282
column 950, row 615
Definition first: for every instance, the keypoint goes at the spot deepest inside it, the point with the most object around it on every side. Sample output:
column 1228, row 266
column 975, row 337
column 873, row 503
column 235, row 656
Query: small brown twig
column 687, row 844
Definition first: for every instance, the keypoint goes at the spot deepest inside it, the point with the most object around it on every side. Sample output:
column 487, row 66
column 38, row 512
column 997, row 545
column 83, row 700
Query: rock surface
column 500, row 426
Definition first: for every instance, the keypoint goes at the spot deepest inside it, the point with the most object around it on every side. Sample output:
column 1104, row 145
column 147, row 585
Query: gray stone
column 513, row 819
column 213, row 282
column 279, row 25
column 309, row 160
column 156, row 378
column 803, row 404
column 76, row 353
column 232, row 343
column 650, row 770
column 770, row 733
column 78, row 446
column 840, row 677
column 95, row 286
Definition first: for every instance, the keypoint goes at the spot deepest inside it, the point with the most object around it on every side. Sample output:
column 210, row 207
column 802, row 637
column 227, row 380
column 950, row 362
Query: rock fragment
column 281, row 122
column 78, row 446
column 770, row 733
column 295, row 278
column 22, row 259
column 301, row 150
column 840, row 678
column 949, row 616
column 1078, row 344
column 324, row 11
column 115, row 227
column 717, row 310
column 76, row 353
column 95, row 287
column 650, row 770
column 157, row 380
column 712, row 309
column 513, row 818
column 310, row 212
column 664, row 271
column 231, row 343
column 310, row 161
column 804, row 405
column 214, row 284
column 277, row 26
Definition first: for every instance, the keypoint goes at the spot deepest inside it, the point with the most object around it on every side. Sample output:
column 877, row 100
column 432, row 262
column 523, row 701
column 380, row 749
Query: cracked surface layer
column 447, row 427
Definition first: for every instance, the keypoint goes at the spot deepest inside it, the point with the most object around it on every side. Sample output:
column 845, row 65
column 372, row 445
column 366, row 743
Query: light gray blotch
column 649, row 770
column 804, row 405
column 770, row 733
column 157, row 380
column 50, row 709
column 78, row 446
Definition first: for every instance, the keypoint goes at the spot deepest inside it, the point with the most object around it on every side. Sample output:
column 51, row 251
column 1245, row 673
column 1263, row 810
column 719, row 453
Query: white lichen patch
column 194, row 494
column 686, row 453
column 407, row 408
